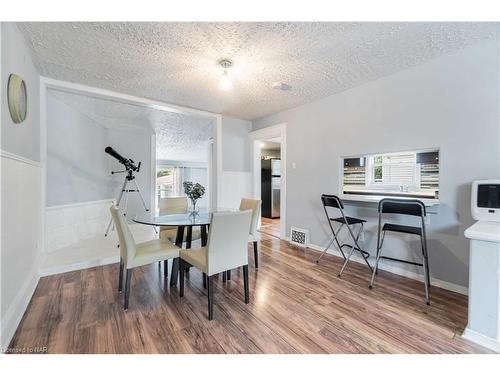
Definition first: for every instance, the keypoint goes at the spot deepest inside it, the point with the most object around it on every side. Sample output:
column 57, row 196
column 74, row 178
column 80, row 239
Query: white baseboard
column 482, row 340
column 15, row 313
column 398, row 271
column 80, row 265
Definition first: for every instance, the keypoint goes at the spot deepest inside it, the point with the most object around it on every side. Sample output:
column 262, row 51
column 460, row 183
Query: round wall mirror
column 17, row 98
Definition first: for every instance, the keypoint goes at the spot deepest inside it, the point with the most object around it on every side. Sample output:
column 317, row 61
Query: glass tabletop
column 202, row 217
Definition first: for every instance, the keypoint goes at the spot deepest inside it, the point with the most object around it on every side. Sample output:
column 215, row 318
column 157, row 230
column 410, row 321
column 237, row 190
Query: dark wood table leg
column 203, row 235
column 189, row 240
column 180, row 236
column 175, row 263
column 189, row 237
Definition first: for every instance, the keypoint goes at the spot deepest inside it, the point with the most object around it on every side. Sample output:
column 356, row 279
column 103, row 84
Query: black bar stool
column 411, row 207
column 335, row 202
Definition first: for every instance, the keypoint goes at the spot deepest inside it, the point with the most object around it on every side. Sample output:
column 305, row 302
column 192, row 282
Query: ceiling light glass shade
column 225, row 82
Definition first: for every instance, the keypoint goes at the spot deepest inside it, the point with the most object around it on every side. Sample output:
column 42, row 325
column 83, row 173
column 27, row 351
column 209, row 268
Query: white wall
column 20, row 187
column 236, row 179
column 20, row 139
column 451, row 102
column 236, row 151
column 77, row 167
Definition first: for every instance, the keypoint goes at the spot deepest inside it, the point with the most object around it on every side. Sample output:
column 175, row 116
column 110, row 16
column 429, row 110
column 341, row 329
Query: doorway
column 270, row 186
column 183, row 154
column 269, row 178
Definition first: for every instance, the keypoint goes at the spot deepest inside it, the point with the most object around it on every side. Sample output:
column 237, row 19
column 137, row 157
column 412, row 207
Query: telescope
column 128, row 163
column 130, row 168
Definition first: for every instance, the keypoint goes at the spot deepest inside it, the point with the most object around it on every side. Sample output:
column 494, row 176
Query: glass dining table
column 184, row 222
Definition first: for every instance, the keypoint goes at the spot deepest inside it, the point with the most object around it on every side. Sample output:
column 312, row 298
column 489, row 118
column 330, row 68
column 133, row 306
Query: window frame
column 356, row 194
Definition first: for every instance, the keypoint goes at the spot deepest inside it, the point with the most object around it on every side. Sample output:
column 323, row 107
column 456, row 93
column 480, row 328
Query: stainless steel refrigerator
column 270, row 188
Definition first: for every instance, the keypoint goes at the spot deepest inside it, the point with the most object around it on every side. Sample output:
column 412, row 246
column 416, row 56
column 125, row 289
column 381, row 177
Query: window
column 410, row 173
column 168, row 182
column 170, row 179
column 400, row 169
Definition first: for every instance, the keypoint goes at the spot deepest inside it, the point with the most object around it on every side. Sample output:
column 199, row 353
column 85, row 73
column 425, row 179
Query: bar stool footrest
column 403, row 261
column 364, row 253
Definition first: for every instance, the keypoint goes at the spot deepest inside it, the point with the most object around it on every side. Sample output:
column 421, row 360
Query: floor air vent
column 299, row 237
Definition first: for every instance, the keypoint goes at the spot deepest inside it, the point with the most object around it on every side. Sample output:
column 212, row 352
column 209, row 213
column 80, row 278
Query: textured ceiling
column 178, row 136
column 177, row 62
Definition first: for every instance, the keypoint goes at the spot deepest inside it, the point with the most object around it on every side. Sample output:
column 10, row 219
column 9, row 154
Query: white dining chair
column 134, row 255
column 227, row 249
column 175, row 205
column 254, row 237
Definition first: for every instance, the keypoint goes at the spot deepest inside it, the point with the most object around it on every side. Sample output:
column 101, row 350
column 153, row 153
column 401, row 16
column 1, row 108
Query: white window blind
column 394, row 169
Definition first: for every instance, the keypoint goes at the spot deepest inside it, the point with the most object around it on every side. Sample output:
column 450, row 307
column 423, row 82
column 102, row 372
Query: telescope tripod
column 129, row 178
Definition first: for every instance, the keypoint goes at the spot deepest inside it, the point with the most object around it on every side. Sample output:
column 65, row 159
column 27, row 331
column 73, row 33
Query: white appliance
column 485, row 200
column 484, row 265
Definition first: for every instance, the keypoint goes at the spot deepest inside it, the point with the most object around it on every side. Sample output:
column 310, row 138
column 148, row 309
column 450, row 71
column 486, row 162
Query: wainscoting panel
column 68, row 225
column 21, row 210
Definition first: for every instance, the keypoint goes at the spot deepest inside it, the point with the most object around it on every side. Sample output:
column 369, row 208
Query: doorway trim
column 257, row 136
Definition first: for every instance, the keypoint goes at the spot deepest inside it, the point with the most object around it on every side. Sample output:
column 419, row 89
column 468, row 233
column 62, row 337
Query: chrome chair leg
column 359, row 231
column 375, row 268
column 357, row 247
column 346, row 261
column 427, row 263
column 335, row 234
column 426, row 272
column 381, row 244
column 383, row 238
column 325, row 250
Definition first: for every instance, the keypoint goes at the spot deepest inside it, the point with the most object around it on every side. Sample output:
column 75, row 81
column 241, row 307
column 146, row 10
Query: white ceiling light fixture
column 225, row 82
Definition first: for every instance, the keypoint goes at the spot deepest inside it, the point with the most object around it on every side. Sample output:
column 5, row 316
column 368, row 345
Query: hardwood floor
column 296, row 306
column 270, row 227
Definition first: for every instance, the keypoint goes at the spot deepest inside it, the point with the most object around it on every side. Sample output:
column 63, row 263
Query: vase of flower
column 193, row 206
column 194, row 191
